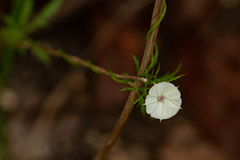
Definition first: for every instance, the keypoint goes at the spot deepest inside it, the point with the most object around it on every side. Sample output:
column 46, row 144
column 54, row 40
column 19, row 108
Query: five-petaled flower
column 163, row 101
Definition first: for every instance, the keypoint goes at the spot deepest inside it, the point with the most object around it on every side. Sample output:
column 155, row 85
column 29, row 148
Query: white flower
column 163, row 101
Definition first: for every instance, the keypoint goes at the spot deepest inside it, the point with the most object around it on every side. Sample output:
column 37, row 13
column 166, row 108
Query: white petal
column 169, row 111
column 157, row 113
column 173, row 94
column 176, row 102
column 151, row 108
column 150, row 99
column 167, row 87
column 158, row 90
column 173, row 103
column 153, row 91
column 161, row 86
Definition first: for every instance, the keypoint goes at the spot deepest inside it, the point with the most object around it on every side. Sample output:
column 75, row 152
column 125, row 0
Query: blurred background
column 63, row 112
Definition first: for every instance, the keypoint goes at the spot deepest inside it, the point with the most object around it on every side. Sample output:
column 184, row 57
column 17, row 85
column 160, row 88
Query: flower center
column 160, row 98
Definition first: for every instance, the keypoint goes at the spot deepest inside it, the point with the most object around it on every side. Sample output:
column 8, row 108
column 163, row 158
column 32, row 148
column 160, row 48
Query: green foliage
column 92, row 68
column 170, row 77
column 6, row 61
column 142, row 107
column 11, row 35
column 136, row 63
column 40, row 20
column 21, row 11
column 153, row 77
column 68, row 59
column 18, row 24
column 126, row 74
column 41, row 54
column 118, row 80
column 153, row 62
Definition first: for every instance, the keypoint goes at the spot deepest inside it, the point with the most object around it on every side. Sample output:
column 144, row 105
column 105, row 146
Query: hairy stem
column 158, row 7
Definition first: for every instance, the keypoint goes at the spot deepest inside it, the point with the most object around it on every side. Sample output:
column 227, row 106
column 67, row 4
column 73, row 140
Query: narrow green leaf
column 126, row 74
column 156, row 73
column 8, row 20
column 16, row 9
column 26, row 12
column 92, row 68
column 11, row 35
column 41, row 54
column 156, row 54
column 151, row 118
column 123, row 89
column 128, row 89
column 175, row 78
column 143, row 109
column 159, row 20
column 6, row 61
column 68, row 59
column 21, row 11
column 46, row 13
column 170, row 77
column 136, row 63
column 161, row 79
column 142, row 106
column 151, row 63
column 116, row 79
column 138, row 99
column 176, row 71
column 144, row 73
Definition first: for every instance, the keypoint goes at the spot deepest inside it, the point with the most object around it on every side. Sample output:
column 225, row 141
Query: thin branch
column 75, row 59
column 158, row 7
